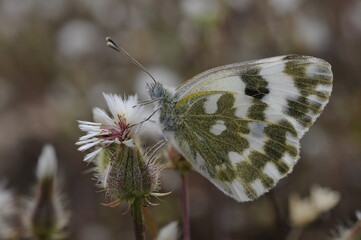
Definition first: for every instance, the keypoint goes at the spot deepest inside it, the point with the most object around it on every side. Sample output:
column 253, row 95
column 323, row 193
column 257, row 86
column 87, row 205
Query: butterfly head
column 156, row 90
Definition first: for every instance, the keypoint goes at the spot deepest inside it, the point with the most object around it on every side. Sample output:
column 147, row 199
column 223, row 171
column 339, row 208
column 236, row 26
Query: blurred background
column 54, row 66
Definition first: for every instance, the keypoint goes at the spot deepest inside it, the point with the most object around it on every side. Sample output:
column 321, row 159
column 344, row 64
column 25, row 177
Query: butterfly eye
column 156, row 90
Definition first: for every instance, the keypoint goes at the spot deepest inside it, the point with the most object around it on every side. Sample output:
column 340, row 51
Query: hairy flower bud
column 46, row 217
column 128, row 174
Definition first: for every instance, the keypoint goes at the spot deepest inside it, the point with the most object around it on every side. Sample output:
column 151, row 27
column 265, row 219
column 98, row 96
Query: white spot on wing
column 235, row 157
column 258, row 187
column 292, row 140
column 289, row 160
column 246, row 152
column 242, row 103
column 313, row 70
column 239, row 191
column 323, row 88
column 218, row 128
column 271, row 170
column 231, row 83
column 257, row 128
column 210, row 105
column 315, row 99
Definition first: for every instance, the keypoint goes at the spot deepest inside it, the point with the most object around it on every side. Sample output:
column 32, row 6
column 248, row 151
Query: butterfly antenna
column 113, row 45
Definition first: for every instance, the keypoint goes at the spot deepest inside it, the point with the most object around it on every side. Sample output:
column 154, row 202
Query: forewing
column 242, row 132
column 292, row 86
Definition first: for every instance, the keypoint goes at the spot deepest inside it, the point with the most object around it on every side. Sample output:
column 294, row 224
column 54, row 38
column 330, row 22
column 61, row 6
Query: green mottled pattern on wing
column 209, row 152
column 240, row 124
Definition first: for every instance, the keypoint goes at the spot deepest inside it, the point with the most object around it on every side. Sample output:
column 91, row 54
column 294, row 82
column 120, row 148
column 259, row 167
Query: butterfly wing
column 296, row 86
column 240, row 124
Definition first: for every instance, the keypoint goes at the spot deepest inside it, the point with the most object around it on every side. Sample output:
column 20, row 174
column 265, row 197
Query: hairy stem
column 185, row 210
column 137, row 213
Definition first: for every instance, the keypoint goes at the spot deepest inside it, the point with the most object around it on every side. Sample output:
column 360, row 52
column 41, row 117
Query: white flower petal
column 87, row 146
column 85, row 141
column 47, row 164
column 99, row 115
column 89, row 157
column 88, row 123
column 89, row 128
column 112, row 102
column 169, row 232
column 129, row 143
column 89, row 136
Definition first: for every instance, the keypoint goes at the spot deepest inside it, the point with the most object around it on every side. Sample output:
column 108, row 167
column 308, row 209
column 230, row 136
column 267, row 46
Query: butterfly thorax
column 165, row 105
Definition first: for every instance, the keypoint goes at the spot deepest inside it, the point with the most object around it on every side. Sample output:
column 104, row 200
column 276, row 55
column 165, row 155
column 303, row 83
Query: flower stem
column 137, row 213
column 185, row 203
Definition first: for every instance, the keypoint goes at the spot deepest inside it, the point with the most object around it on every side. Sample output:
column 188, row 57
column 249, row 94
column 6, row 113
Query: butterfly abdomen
column 167, row 117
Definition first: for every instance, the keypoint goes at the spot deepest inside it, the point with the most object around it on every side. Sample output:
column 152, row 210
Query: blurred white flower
column 109, row 12
column 8, row 213
column 169, row 232
column 201, row 10
column 77, row 38
column 351, row 232
column 47, row 165
column 46, row 216
column 304, row 211
column 323, row 198
column 106, row 130
column 312, row 32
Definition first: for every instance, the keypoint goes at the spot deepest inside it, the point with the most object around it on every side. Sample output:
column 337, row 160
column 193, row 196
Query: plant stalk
column 138, row 221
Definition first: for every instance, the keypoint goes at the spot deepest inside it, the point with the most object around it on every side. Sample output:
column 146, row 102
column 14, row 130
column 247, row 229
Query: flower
column 126, row 173
column 304, row 211
column 350, row 232
column 122, row 167
column 119, row 128
column 324, row 198
column 8, row 214
column 169, row 232
column 46, row 217
column 47, row 164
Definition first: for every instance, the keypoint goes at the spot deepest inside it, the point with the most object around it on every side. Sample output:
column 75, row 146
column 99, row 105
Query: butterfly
column 240, row 125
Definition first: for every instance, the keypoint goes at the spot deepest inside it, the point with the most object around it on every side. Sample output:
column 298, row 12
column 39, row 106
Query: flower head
column 351, row 231
column 117, row 128
column 304, row 211
column 8, row 214
column 46, row 217
column 126, row 173
column 169, row 232
column 122, row 167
